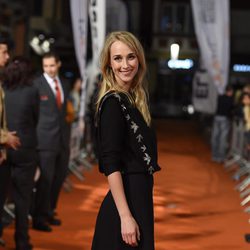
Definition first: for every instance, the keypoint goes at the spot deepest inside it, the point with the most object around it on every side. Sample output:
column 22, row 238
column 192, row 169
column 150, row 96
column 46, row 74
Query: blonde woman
column 127, row 148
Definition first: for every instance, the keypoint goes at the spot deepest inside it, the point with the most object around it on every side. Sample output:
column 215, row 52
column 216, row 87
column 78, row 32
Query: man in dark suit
column 53, row 142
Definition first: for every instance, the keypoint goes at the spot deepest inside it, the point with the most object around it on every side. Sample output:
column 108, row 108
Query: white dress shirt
column 53, row 85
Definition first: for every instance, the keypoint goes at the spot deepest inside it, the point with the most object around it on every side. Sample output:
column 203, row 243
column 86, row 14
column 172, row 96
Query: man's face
column 51, row 66
column 4, row 55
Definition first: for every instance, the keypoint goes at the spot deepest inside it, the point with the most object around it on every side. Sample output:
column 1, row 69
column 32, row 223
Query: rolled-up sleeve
column 111, row 136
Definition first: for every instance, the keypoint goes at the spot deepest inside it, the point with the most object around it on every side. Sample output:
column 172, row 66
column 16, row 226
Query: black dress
column 119, row 151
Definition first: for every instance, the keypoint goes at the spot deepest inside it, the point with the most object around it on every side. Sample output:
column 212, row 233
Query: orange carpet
column 196, row 206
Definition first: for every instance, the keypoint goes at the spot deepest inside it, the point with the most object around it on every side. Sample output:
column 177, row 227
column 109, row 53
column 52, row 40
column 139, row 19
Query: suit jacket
column 22, row 108
column 52, row 129
column 3, row 126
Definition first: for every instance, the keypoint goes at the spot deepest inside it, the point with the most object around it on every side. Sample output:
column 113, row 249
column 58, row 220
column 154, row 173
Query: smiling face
column 124, row 64
column 51, row 66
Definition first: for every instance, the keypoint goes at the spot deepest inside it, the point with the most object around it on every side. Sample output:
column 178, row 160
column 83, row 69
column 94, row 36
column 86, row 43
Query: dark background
column 156, row 23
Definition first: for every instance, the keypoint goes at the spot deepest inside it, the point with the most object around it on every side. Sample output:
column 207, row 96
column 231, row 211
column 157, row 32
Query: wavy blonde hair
column 137, row 94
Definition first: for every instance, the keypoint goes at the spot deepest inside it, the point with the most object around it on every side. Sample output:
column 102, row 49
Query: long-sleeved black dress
column 125, row 144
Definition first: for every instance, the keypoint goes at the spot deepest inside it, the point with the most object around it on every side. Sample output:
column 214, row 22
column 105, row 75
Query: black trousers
column 54, row 167
column 22, row 165
column 5, row 173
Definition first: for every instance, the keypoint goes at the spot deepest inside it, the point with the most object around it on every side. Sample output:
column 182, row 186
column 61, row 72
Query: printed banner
column 211, row 21
column 204, row 93
column 97, row 15
column 79, row 18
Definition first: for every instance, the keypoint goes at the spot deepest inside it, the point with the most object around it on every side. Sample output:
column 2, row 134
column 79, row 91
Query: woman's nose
column 124, row 63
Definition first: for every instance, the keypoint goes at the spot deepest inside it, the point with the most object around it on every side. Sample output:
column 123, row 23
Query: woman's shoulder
column 109, row 105
column 111, row 99
column 109, row 115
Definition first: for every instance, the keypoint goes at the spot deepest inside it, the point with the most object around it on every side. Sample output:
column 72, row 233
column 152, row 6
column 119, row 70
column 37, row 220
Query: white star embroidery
column 123, row 107
column 139, row 138
column 134, row 126
column 117, row 96
column 143, row 148
column 147, row 158
column 128, row 117
column 151, row 170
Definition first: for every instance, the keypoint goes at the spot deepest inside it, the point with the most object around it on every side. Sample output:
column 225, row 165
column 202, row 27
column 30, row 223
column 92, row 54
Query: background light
column 180, row 64
column 46, row 46
column 241, row 67
column 190, row 109
column 41, row 44
column 174, row 51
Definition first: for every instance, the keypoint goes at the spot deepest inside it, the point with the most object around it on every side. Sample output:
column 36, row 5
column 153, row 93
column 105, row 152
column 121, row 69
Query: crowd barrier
column 78, row 161
column 238, row 163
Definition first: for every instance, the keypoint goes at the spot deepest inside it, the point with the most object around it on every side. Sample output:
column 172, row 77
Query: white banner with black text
column 97, row 16
column 79, row 19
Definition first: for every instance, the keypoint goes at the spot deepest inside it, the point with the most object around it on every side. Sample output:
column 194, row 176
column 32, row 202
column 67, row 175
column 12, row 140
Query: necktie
column 58, row 94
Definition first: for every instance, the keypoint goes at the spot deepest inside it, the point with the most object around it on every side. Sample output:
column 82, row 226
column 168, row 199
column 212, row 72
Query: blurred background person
column 7, row 139
column 53, row 142
column 75, row 95
column 22, row 106
column 90, row 129
column 221, row 125
column 246, row 117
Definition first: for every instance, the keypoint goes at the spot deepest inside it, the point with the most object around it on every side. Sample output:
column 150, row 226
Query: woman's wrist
column 125, row 215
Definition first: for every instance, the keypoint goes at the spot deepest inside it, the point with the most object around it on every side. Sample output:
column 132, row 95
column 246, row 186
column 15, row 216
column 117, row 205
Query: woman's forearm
column 117, row 190
column 129, row 227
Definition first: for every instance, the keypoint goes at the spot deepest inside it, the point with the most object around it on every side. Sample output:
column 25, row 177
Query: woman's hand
column 130, row 231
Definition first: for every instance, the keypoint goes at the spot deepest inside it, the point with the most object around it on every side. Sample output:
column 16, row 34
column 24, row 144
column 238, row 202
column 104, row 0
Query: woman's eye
column 117, row 58
column 131, row 57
